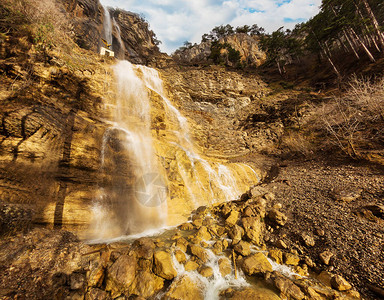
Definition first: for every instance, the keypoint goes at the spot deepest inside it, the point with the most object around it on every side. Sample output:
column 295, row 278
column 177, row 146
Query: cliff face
column 251, row 54
column 131, row 38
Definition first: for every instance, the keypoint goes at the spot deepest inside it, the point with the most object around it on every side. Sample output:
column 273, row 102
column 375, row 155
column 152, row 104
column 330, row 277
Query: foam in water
column 107, row 25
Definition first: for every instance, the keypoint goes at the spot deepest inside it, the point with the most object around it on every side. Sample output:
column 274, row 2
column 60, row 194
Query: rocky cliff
column 250, row 52
column 131, row 37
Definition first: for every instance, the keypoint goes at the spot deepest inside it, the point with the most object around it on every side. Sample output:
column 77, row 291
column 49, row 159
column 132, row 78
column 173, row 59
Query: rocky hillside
column 248, row 47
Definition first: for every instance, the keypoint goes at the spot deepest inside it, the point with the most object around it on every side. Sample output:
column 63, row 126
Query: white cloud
column 176, row 21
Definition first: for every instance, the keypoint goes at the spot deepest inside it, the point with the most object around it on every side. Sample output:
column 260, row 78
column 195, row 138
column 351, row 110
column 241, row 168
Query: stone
column 269, row 197
column 202, row 210
column 225, row 266
column 309, row 262
column 281, row 244
column 191, row 265
column 184, row 288
column 199, row 252
column 182, row 244
column 121, row 275
column 286, row 287
column 248, row 212
column 163, row 265
column 186, row 226
column 206, row 271
column 313, row 294
column 277, row 217
column 236, row 233
column 340, row 284
column 146, row 284
column 248, row 293
column 243, row 248
column 233, row 217
column 325, row 257
column 96, row 294
column 217, row 230
column 308, row 240
column 253, row 228
column 198, row 223
column 77, row 281
column 258, row 191
column 203, row 233
column 291, row 259
column 144, row 248
column 346, row 194
column 325, row 277
column 217, row 247
column 180, row 256
column 276, row 255
column 256, row 263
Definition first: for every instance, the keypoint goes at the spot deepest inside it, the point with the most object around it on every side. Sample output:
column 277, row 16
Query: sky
column 177, row 21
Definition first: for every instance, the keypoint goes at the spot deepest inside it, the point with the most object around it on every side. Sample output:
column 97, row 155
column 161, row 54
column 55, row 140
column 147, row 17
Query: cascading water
column 107, row 25
column 133, row 194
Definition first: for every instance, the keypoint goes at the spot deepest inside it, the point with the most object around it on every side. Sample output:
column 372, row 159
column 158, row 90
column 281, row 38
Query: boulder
column 199, row 252
column 121, row 275
column 163, row 265
column 182, row 244
column 203, row 233
column 253, row 228
column 186, row 226
column 144, row 248
column 243, row 248
column 340, row 284
column 184, row 288
column 225, row 266
column 191, row 265
column 308, row 240
column 206, row 271
column 249, row 294
column 286, row 287
column 277, row 217
column 256, row 263
column 233, row 217
column 276, row 255
column 180, row 256
column 146, row 284
column 97, row 294
column 236, row 233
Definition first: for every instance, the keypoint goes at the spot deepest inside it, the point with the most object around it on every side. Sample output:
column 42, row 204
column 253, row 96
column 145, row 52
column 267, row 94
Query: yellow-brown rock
column 253, row 228
column 256, row 263
column 163, row 265
column 225, row 266
column 291, row 259
column 184, row 288
column 340, row 284
column 276, row 255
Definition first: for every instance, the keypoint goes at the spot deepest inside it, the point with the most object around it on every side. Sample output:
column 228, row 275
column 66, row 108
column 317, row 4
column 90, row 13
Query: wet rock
column 243, row 248
column 276, row 255
column 225, row 266
column 144, row 248
column 256, row 263
column 197, row 223
column 186, row 226
column 206, row 271
column 202, row 210
column 180, row 256
column 233, row 217
column 97, row 268
column 191, row 265
column 286, row 287
column 203, row 233
column 218, row 247
column 340, row 284
column 163, row 266
column 199, row 252
column 182, row 244
column 217, row 230
column 121, row 275
column 184, row 288
column 249, row 294
column 325, row 257
column 236, row 233
column 253, row 228
column 77, row 281
column 146, row 284
column 277, row 217
column 291, row 259
column 308, row 240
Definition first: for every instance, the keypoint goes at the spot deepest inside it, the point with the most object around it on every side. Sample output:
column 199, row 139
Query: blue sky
column 176, row 21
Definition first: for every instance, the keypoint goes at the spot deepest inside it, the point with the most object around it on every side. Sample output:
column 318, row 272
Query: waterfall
column 152, row 180
column 107, row 25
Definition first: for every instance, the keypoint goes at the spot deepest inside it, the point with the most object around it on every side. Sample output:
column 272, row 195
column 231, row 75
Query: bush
column 355, row 120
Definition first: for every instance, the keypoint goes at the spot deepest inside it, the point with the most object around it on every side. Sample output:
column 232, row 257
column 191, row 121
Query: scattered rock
column 256, row 263
column 253, row 228
column 180, row 256
column 144, row 248
column 249, row 293
column 277, row 217
column 186, row 226
column 199, row 252
column 286, row 287
column 325, row 257
column 96, row 294
column 182, row 244
column 77, row 281
column 236, row 234
column 203, row 233
column 146, row 284
column 308, row 240
column 258, row 191
column 339, row 283
column 281, row 244
column 276, row 255
column 191, row 265
column 163, row 266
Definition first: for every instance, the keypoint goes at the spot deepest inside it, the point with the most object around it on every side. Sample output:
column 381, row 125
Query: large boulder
column 163, row 266
column 277, row 217
column 146, row 284
column 199, row 252
column 255, row 264
column 253, row 228
column 184, row 288
column 249, row 294
column 121, row 275
column 340, row 284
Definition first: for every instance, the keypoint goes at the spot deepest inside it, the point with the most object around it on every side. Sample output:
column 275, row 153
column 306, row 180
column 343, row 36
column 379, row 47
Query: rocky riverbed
column 225, row 251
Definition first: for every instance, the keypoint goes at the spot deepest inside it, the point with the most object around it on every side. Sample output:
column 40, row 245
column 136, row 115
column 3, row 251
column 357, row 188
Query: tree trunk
column 363, row 45
column 375, row 24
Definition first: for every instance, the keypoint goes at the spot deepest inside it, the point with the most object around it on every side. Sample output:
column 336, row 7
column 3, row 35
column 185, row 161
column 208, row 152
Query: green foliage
column 228, row 57
column 43, row 37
